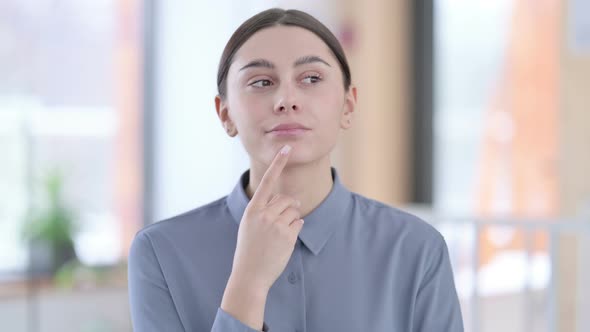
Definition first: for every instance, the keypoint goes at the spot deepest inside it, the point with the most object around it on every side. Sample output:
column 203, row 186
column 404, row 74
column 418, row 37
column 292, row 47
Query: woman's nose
column 287, row 101
column 284, row 107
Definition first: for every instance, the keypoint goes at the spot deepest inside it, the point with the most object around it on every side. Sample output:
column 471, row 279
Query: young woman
column 247, row 262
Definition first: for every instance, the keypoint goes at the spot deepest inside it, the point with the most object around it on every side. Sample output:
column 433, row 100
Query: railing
column 450, row 227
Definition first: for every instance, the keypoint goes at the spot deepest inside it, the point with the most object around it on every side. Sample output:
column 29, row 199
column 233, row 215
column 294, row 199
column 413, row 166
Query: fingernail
column 285, row 149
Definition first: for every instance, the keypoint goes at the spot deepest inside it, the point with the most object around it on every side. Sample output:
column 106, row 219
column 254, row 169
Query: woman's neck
column 309, row 183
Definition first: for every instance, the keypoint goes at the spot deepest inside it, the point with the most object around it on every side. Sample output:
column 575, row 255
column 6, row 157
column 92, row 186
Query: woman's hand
column 268, row 231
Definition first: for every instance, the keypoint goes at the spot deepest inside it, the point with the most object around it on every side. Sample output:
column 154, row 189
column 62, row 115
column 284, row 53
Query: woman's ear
column 223, row 114
column 349, row 108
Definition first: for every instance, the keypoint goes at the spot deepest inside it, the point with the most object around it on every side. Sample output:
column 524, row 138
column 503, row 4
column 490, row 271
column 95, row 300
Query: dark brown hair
column 274, row 17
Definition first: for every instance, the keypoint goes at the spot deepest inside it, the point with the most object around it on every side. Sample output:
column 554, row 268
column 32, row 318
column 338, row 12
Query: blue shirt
column 358, row 265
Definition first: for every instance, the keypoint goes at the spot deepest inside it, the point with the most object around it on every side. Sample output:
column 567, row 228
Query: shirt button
column 292, row 277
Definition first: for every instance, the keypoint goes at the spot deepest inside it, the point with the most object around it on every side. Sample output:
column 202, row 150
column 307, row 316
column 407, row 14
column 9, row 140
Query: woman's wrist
column 245, row 302
column 243, row 279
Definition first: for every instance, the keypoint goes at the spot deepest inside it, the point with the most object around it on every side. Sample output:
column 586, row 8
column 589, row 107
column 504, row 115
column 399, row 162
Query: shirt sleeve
column 226, row 322
column 437, row 304
column 152, row 307
column 151, row 304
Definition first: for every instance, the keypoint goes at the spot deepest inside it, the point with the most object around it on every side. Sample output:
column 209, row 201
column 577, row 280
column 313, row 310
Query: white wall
column 195, row 161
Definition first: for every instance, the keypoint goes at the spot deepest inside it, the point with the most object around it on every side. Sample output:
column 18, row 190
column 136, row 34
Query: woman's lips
column 292, row 129
column 294, row 132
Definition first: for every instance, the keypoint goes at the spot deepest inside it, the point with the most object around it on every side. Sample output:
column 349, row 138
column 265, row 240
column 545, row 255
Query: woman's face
column 286, row 76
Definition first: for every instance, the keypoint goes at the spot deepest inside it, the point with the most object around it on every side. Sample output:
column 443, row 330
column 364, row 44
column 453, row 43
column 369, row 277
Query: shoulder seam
column 214, row 203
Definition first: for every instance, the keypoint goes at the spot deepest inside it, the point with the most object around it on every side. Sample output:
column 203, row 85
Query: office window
column 70, row 100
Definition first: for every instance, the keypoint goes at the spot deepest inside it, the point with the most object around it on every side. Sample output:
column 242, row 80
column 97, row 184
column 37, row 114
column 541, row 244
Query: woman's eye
column 312, row 79
column 261, row 83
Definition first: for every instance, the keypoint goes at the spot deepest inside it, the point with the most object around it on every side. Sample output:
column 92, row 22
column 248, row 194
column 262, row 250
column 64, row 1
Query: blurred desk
column 46, row 308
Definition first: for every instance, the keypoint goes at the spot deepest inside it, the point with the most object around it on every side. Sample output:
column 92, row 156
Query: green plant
column 51, row 224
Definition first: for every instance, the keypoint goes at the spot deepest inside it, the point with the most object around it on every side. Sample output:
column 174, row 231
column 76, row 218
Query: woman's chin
column 302, row 158
column 302, row 153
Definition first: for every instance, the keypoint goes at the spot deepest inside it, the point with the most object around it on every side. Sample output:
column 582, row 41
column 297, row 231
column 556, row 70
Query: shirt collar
column 320, row 223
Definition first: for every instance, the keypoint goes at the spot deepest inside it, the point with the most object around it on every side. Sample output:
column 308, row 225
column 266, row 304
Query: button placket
column 292, row 278
column 295, row 279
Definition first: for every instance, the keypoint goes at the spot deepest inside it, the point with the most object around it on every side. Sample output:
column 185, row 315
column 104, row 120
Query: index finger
column 264, row 191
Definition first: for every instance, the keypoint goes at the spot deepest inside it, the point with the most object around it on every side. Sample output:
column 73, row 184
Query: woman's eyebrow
column 310, row 59
column 257, row 63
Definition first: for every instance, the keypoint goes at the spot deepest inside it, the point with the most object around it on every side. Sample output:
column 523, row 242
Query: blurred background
column 473, row 114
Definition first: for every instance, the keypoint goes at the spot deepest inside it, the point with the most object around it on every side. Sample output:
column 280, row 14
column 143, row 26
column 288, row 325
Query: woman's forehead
column 283, row 45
